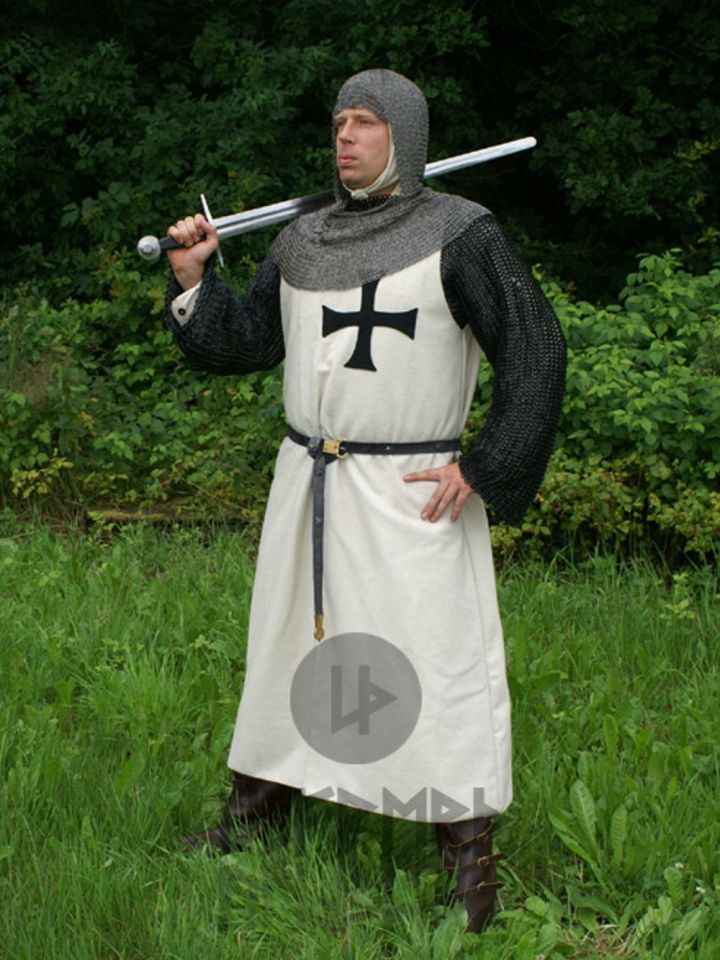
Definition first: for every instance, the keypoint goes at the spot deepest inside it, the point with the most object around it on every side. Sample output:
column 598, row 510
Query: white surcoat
column 428, row 588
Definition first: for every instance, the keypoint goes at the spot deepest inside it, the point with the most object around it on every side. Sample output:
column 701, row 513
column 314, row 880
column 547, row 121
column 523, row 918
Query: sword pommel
column 149, row 248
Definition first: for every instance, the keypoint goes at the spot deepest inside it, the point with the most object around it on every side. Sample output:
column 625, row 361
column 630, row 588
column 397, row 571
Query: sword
column 234, row 224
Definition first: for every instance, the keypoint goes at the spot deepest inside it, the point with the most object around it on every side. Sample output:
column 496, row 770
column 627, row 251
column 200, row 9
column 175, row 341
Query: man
column 380, row 306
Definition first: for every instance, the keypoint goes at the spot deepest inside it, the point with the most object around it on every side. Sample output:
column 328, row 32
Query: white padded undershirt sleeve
column 182, row 306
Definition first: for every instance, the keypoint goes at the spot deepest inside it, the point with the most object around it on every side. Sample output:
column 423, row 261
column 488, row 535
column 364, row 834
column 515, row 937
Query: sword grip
column 150, row 248
column 167, row 243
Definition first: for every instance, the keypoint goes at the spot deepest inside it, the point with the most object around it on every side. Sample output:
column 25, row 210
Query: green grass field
column 121, row 665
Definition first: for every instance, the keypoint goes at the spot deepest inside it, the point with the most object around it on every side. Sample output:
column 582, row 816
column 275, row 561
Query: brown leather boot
column 252, row 801
column 467, row 846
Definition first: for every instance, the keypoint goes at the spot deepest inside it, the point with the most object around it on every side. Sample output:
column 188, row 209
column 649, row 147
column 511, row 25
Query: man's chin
column 352, row 183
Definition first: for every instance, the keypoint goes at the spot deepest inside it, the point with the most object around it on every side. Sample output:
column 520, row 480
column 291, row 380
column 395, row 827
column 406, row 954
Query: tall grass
column 121, row 664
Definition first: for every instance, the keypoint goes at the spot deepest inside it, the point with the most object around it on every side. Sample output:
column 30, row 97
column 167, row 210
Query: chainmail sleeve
column 489, row 287
column 228, row 334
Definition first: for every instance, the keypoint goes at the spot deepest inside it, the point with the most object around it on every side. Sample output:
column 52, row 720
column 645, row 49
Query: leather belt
column 324, row 451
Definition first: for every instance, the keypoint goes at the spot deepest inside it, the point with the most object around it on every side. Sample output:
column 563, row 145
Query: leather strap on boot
column 471, row 861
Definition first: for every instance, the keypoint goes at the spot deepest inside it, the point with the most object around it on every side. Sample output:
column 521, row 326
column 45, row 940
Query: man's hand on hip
column 451, row 486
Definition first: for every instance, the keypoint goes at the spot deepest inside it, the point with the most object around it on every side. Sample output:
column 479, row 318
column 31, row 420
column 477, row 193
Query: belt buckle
column 333, row 448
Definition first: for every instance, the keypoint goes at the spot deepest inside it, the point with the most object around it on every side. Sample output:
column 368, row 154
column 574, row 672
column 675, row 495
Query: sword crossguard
column 209, row 218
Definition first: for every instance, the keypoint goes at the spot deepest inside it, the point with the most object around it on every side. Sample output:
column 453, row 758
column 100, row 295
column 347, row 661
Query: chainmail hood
column 341, row 247
column 400, row 103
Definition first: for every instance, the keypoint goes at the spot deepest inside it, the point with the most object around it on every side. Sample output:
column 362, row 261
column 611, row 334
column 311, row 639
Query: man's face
column 362, row 146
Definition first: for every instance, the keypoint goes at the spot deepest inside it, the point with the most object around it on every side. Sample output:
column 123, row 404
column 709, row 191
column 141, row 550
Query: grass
column 121, row 664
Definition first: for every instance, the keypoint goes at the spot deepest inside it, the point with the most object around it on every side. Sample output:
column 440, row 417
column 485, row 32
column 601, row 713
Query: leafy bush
column 111, row 139
column 638, row 452
column 98, row 408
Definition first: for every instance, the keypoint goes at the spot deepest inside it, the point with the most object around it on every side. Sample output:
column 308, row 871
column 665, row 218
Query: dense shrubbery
column 97, row 407
column 115, row 119
column 639, row 445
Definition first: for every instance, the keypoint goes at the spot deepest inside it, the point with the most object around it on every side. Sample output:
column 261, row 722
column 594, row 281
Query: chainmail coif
column 338, row 249
column 400, row 103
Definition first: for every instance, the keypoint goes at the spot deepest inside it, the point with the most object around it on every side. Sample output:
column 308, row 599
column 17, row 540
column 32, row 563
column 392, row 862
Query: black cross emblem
column 366, row 319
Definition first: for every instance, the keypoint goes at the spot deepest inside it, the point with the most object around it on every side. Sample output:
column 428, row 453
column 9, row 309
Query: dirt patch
column 31, row 378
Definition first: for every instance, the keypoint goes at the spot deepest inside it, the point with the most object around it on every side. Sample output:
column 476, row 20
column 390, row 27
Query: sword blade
column 479, row 156
column 235, row 224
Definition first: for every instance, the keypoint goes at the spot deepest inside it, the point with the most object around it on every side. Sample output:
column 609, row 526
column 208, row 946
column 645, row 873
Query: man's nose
column 346, row 133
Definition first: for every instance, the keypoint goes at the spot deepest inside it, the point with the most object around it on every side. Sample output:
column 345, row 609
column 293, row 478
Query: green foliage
column 114, row 120
column 639, row 442
column 607, row 764
column 98, row 408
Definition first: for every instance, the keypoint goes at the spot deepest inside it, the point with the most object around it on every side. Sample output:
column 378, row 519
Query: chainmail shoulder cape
column 339, row 248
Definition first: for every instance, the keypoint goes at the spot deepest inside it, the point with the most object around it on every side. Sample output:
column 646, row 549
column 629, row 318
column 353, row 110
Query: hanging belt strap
column 324, row 451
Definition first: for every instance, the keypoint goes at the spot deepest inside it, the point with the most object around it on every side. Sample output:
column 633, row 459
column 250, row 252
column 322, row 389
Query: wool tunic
column 426, row 588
